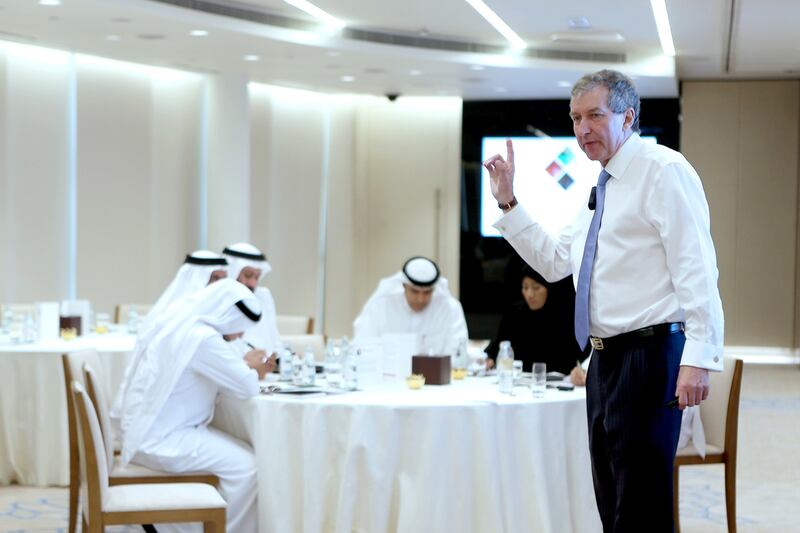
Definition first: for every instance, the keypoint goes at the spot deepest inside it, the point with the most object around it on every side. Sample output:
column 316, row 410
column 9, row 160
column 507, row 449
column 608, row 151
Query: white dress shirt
column 655, row 260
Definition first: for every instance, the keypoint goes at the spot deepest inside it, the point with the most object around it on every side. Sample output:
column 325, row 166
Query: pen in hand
column 672, row 403
column 263, row 359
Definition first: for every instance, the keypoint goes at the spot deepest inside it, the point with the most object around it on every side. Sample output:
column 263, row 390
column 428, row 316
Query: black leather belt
column 650, row 331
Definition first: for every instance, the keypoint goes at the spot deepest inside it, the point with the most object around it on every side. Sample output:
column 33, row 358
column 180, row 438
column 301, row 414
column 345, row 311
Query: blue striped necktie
column 585, row 274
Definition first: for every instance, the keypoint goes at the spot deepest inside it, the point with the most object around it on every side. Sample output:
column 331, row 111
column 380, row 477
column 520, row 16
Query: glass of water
column 517, row 367
column 333, row 374
column 539, row 380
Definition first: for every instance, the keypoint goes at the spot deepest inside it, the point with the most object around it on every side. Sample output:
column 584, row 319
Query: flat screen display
column 553, row 178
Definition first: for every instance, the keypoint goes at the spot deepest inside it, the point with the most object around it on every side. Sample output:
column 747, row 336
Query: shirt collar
column 618, row 164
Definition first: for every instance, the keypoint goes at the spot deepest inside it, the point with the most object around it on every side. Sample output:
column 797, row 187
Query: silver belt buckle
column 597, row 343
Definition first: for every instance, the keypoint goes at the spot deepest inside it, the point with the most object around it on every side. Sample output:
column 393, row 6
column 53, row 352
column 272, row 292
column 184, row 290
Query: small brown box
column 70, row 322
column 435, row 368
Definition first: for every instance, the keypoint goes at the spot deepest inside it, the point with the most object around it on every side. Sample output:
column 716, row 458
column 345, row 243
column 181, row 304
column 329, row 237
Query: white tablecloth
column 34, row 439
column 446, row 458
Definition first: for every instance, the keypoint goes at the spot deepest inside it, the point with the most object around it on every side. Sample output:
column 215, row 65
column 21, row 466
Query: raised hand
column 501, row 174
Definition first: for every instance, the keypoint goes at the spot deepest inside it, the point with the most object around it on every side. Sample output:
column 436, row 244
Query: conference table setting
column 392, row 457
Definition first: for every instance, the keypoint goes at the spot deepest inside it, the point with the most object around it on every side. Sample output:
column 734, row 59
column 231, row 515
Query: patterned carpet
column 768, row 480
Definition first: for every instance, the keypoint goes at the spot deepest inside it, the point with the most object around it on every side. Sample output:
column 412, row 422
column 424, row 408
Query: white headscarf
column 166, row 348
column 192, row 276
column 242, row 255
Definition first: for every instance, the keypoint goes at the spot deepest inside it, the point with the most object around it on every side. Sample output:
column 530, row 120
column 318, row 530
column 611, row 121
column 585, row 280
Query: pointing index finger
column 510, row 148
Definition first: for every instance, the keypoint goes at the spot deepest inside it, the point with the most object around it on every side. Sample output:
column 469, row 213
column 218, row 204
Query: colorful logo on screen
column 558, row 168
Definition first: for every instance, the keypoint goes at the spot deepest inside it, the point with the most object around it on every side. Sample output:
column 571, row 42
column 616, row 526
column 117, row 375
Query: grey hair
column 622, row 93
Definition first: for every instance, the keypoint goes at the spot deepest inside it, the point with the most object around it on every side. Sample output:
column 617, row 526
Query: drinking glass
column 539, row 380
column 517, row 366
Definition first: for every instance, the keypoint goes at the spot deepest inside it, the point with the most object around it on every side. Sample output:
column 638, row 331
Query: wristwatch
column 509, row 205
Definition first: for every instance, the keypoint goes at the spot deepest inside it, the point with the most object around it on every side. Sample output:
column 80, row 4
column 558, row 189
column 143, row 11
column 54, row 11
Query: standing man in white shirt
column 644, row 267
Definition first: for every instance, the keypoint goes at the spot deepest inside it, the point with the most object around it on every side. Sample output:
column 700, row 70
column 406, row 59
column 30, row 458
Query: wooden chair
column 299, row 343
column 108, row 505
column 121, row 311
column 720, row 416
column 73, row 364
column 295, row 324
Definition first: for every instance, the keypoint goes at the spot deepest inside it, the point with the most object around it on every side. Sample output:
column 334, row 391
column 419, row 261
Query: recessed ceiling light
column 579, row 23
column 49, row 2
column 564, row 84
column 662, row 25
column 198, row 33
column 477, row 67
column 113, row 38
column 497, row 23
column 348, row 79
column 250, row 57
column 415, row 72
column 316, row 12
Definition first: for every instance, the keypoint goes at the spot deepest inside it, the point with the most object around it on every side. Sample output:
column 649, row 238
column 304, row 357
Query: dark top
column 543, row 336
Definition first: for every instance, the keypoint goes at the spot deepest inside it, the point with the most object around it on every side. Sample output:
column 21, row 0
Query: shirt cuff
column 513, row 222
column 702, row 355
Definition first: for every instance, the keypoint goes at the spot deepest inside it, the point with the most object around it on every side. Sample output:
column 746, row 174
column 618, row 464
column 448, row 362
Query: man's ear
column 630, row 116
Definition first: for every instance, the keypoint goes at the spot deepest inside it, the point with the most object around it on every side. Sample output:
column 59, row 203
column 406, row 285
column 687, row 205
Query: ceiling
column 425, row 47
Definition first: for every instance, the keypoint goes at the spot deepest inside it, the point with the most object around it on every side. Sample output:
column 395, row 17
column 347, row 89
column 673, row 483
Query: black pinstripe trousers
column 632, row 435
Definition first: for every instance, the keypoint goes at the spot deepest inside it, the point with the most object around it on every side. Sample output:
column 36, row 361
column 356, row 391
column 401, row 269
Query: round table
column 34, row 438
column 460, row 457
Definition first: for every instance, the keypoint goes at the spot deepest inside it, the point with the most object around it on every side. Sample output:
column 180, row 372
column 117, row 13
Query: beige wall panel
column 228, row 152
column 295, row 171
column 132, row 218
column 34, row 173
column 710, row 127
column 767, row 211
column 407, row 171
column 340, row 305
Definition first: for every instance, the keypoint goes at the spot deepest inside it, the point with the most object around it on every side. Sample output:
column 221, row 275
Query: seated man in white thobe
column 248, row 265
column 186, row 362
column 200, row 268
column 415, row 300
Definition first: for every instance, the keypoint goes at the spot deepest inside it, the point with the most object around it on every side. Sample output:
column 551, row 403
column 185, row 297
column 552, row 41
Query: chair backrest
column 122, row 310
column 720, row 412
column 72, row 363
column 298, row 344
column 95, row 390
column 295, row 324
column 94, row 481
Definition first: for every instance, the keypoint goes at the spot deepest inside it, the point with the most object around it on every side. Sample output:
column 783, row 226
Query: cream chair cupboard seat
column 295, row 324
column 74, row 364
column 720, row 416
column 122, row 310
column 108, row 505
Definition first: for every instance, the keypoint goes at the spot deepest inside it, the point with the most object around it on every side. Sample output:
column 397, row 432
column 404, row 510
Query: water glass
column 333, row 374
column 539, row 380
column 517, row 366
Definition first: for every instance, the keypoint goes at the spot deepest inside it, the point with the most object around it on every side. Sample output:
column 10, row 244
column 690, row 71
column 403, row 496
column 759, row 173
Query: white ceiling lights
column 662, row 24
column 498, row 23
column 325, row 17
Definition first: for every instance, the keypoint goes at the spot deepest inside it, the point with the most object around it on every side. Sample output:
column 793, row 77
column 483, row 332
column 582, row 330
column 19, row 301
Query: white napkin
column 692, row 429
